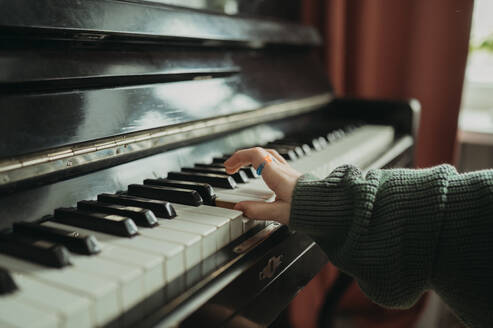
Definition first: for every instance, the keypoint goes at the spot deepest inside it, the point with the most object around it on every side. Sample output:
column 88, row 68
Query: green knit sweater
column 401, row 232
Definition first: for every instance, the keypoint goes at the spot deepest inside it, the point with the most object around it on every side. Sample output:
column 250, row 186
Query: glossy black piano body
column 97, row 95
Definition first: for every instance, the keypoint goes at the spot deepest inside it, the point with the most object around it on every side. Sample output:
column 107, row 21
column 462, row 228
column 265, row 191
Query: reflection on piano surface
column 114, row 203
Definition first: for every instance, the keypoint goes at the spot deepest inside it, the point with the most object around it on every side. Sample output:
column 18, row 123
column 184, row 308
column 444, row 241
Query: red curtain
column 391, row 49
column 400, row 49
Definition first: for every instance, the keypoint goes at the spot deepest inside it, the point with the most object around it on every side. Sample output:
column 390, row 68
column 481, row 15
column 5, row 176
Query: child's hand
column 278, row 176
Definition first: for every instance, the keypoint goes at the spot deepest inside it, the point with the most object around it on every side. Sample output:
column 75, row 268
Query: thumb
column 277, row 211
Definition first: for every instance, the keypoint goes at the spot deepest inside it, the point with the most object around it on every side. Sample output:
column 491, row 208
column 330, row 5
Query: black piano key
column 287, row 154
column 171, row 194
column 220, row 160
column 41, row 251
column 215, row 180
column 307, row 142
column 300, row 152
column 108, row 223
column 350, row 127
column 7, row 283
column 77, row 243
column 239, row 177
column 213, row 165
column 249, row 170
column 161, row 209
column 205, row 190
column 141, row 216
column 335, row 135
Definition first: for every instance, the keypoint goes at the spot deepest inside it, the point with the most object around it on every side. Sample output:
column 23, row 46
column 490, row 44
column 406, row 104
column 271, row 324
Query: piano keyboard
column 130, row 245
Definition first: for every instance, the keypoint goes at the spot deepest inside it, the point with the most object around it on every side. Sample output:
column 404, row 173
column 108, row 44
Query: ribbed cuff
column 324, row 208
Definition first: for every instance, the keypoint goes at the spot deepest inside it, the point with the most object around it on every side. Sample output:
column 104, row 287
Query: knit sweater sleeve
column 401, row 232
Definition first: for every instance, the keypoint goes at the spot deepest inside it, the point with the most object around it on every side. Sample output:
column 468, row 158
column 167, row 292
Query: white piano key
column 173, row 254
column 130, row 279
column 249, row 223
column 236, row 197
column 191, row 242
column 72, row 310
column 221, row 225
column 211, row 240
column 359, row 147
column 102, row 292
column 153, row 265
column 256, row 187
column 154, row 276
column 248, row 191
column 15, row 313
column 223, row 219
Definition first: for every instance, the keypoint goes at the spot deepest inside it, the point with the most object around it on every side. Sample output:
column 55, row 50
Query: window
column 477, row 97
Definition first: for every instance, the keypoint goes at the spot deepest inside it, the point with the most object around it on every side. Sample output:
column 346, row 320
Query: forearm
column 386, row 229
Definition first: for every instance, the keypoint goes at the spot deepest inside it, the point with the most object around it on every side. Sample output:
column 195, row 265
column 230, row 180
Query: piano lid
column 154, row 69
column 131, row 21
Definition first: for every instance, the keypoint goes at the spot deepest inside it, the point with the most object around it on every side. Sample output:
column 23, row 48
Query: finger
column 277, row 156
column 275, row 175
column 254, row 156
column 277, row 211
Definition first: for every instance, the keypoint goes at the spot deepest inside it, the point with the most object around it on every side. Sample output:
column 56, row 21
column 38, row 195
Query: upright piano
column 116, row 117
